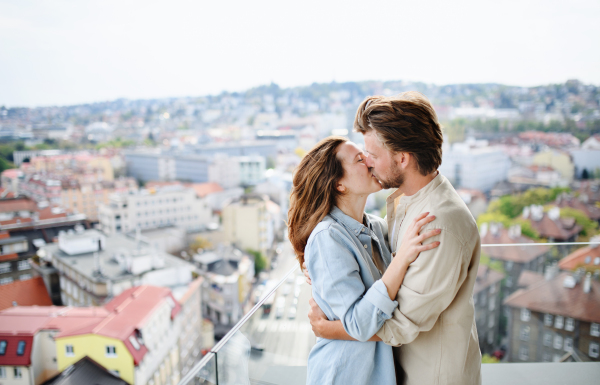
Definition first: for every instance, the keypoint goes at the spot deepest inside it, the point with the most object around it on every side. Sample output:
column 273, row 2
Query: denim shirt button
column 365, row 246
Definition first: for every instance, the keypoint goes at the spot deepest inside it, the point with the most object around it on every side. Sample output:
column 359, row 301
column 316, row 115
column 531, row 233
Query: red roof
column 204, row 189
column 11, row 358
column 24, row 293
column 18, row 204
column 486, row 277
column 9, row 194
column 579, row 257
column 528, row 278
column 119, row 319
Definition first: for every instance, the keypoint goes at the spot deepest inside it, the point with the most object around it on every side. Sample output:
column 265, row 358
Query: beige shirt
column 434, row 321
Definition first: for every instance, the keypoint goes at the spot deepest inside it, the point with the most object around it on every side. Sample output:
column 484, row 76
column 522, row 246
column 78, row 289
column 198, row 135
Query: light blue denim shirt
column 347, row 286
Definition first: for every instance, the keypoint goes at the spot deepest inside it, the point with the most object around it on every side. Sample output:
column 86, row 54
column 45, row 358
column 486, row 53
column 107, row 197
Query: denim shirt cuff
column 378, row 296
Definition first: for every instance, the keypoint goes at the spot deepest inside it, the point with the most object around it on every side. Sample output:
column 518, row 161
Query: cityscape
column 136, row 234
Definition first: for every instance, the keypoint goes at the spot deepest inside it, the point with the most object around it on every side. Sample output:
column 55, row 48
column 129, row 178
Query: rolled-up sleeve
column 335, row 276
column 429, row 287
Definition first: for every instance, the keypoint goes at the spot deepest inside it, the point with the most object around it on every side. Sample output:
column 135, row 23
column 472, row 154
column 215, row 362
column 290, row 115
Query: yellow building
column 246, row 223
column 558, row 160
column 135, row 336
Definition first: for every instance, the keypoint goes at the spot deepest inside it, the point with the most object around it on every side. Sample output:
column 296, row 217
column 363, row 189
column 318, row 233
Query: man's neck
column 415, row 182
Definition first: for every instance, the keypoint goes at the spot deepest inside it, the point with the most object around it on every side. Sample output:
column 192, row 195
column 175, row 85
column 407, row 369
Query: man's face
column 382, row 162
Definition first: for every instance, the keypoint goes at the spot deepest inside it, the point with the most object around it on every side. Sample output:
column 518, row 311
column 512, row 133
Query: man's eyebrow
column 369, row 152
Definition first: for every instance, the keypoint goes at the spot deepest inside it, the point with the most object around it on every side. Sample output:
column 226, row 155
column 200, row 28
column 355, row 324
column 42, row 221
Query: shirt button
column 365, row 246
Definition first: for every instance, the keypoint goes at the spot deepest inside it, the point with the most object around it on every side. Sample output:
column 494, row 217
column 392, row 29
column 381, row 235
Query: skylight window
column 3, row 344
column 21, row 348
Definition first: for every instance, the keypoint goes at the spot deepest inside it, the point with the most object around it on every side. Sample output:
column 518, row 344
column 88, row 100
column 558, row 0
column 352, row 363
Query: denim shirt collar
column 348, row 222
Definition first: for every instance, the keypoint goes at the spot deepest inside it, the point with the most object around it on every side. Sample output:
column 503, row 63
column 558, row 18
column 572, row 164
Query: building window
column 21, row 348
column 69, row 352
column 111, row 351
column 491, row 321
column 595, row 330
column 509, row 265
column 4, row 267
column 492, row 305
column 115, row 373
column 525, row 315
column 559, row 322
column 2, row 372
column 23, row 265
column 524, row 353
column 558, row 340
column 18, row 372
column 525, row 330
column 24, row 277
column 568, row 344
column 3, row 344
column 547, row 339
column 570, row 324
column 594, row 350
column 548, row 319
column 547, row 357
column 509, row 281
column 6, row 280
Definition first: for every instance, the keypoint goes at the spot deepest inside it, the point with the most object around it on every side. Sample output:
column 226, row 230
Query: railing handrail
column 538, row 244
column 213, row 352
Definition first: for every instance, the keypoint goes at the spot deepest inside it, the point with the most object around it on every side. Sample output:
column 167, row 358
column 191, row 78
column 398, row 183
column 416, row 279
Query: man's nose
column 368, row 162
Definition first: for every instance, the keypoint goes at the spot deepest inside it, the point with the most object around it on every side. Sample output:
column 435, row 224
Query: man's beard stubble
column 397, row 179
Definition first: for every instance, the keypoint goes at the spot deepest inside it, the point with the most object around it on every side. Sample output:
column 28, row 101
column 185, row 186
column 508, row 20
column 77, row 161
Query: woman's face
column 358, row 179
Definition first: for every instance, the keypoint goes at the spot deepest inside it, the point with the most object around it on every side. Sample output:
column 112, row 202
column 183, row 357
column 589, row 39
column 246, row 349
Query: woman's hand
column 305, row 271
column 409, row 250
column 411, row 245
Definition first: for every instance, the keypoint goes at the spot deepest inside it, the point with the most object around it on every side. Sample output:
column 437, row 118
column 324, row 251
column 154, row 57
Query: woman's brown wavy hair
column 314, row 191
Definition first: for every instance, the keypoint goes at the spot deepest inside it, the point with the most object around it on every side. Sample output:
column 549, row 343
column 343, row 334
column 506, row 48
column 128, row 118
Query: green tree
column 260, row 262
column 590, row 227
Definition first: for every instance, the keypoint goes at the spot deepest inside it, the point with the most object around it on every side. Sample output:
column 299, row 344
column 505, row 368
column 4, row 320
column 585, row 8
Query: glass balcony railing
column 271, row 344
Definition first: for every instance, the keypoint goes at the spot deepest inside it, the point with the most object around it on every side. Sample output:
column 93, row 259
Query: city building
column 475, row 200
column 555, row 319
column 486, row 295
column 514, row 259
column 14, row 258
column 135, row 336
column 587, row 257
column 474, row 165
column 252, row 169
column 550, row 225
column 580, row 203
column 192, row 340
column 72, row 194
column 85, row 371
column 247, row 223
column 228, row 274
column 557, row 160
column 587, row 163
column 94, row 267
column 153, row 208
column 225, row 171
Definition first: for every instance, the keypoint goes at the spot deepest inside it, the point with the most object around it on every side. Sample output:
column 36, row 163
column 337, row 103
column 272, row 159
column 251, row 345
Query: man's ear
column 402, row 159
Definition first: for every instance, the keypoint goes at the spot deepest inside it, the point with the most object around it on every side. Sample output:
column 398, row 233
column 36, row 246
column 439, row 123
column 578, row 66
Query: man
column 434, row 323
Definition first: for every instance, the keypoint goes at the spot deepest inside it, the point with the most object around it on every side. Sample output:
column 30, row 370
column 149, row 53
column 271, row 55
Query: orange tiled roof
column 25, row 293
column 578, row 258
column 204, row 189
column 528, row 278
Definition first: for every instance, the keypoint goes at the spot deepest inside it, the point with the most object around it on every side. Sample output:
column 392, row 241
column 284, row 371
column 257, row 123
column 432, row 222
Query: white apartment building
column 474, row 165
column 252, row 169
column 153, row 208
column 225, row 171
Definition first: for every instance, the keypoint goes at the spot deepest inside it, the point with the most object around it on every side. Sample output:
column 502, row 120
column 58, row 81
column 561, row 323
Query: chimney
column 14, row 303
column 587, row 283
column 551, row 271
column 484, row 229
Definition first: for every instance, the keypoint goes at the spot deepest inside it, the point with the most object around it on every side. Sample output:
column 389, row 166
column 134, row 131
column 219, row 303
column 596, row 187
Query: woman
column 346, row 258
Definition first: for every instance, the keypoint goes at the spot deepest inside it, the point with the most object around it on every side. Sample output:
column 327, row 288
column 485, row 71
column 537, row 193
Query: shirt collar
column 419, row 195
column 348, row 222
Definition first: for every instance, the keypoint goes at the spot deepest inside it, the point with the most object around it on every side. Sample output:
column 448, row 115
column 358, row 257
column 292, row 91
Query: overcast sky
column 66, row 52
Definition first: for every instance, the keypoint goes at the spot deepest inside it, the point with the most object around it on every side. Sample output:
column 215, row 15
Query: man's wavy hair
column 314, row 191
column 404, row 123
